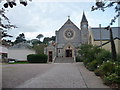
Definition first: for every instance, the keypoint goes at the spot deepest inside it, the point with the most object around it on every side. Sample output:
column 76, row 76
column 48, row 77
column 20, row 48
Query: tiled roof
column 105, row 35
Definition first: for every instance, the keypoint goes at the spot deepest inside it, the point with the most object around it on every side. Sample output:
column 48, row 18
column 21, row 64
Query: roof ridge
column 68, row 22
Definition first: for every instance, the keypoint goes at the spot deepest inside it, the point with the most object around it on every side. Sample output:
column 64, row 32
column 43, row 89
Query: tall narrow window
column 59, row 51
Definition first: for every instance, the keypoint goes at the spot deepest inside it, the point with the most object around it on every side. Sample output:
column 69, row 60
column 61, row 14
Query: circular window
column 69, row 33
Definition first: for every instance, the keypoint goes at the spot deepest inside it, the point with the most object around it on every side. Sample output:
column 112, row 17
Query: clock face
column 69, row 33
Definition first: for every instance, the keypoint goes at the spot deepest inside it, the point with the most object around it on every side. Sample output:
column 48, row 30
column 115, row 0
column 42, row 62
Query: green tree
column 5, row 23
column 39, row 36
column 39, row 48
column 35, row 42
column 46, row 40
column 20, row 38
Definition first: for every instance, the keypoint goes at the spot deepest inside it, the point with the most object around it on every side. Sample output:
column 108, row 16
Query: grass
column 22, row 62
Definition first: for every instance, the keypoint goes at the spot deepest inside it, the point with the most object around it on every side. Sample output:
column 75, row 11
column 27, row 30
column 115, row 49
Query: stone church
column 68, row 40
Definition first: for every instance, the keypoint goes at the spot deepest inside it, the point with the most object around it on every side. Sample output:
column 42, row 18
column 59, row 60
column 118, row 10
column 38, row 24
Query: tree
column 39, row 36
column 35, row 42
column 39, row 48
column 20, row 38
column 11, row 3
column 3, row 18
column 113, row 49
column 46, row 40
column 102, row 5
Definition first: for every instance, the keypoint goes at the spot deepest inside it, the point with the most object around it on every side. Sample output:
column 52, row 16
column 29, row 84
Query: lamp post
column 100, row 36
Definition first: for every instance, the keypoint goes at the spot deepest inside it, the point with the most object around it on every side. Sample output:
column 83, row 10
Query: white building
column 20, row 51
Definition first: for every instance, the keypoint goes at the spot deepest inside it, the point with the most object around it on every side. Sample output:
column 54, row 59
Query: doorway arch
column 69, row 50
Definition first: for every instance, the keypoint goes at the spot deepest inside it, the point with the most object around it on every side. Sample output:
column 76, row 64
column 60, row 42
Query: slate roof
column 21, row 46
column 105, row 33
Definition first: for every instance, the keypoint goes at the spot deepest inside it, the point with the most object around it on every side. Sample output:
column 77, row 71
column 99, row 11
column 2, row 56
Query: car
column 10, row 60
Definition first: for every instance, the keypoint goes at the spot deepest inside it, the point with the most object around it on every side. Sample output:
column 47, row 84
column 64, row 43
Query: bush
column 107, row 68
column 113, row 78
column 86, row 61
column 117, row 70
column 78, row 59
column 118, row 57
column 37, row 58
column 99, row 72
column 92, row 65
column 89, row 51
column 103, row 56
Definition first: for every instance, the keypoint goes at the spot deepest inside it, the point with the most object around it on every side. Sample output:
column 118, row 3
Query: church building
column 68, row 40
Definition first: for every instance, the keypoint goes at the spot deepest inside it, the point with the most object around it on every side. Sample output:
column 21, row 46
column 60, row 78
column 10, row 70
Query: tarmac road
column 64, row 75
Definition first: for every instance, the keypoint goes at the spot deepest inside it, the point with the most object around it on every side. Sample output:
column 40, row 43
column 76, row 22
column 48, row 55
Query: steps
column 64, row 60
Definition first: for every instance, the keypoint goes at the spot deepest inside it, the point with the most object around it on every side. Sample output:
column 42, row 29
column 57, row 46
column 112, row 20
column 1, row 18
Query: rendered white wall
column 19, row 54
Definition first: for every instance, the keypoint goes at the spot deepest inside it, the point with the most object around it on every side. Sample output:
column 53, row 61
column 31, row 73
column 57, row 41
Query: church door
column 50, row 56
column 68, row 53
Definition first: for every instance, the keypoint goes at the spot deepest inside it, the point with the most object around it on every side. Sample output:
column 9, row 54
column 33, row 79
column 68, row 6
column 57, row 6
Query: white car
column 10, row 60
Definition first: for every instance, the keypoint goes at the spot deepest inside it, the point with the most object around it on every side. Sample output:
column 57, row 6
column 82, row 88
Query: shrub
column 108, row 67
column 78, row 59
column 86, row 61
column 118, row 57
column 37, row 58
column 117, row 70
column 103, row 55
column 92, row 65
column 99, row 72
column 113, row 78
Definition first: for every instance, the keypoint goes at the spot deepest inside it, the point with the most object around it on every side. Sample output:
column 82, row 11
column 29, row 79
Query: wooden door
column 50, row 56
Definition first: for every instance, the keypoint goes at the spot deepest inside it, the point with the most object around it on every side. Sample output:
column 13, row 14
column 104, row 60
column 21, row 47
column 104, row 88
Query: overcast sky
column 47, row 17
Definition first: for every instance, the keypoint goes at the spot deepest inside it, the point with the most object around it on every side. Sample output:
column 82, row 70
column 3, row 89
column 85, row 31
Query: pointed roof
column 84, row 18
column 68, row 22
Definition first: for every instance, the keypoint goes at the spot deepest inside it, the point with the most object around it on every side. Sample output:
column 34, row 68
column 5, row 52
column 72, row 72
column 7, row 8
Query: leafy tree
column 12, row 3
column 39, row 48
column 46, row 40
column 7, row 42
column 35, row 42
column 53, row 38
column 102, row 5
column 20, row 38
column 39, row 36
column 3, row 18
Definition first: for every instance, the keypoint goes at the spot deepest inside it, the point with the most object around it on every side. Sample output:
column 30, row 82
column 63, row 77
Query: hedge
column 37, row 58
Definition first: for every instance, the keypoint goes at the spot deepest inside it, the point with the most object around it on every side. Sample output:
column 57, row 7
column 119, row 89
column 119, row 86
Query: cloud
column 47, row 17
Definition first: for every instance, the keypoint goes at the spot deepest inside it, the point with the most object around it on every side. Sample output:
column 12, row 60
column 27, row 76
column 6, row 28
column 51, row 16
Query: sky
column 45, row 17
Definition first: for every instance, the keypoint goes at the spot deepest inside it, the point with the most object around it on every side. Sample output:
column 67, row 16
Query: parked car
column 10, row 60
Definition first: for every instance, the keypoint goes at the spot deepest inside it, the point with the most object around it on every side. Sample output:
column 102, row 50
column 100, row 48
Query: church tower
column 84, row 29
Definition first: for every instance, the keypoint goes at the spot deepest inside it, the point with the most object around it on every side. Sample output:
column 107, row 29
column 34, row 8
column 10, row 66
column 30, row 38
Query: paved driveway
column 73, row 75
